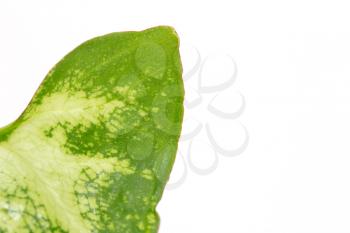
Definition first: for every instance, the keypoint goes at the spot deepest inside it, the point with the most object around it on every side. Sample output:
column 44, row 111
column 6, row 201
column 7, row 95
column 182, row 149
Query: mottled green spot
column 141, row 147
column 151, row 58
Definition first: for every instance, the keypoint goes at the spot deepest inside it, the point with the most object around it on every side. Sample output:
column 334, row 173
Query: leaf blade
column 95, row 147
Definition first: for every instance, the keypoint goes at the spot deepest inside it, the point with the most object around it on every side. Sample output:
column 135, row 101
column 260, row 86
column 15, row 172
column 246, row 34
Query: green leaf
column 94, row 149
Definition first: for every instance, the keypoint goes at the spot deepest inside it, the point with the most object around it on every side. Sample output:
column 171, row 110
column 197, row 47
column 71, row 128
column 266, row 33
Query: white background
column 293, row 60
